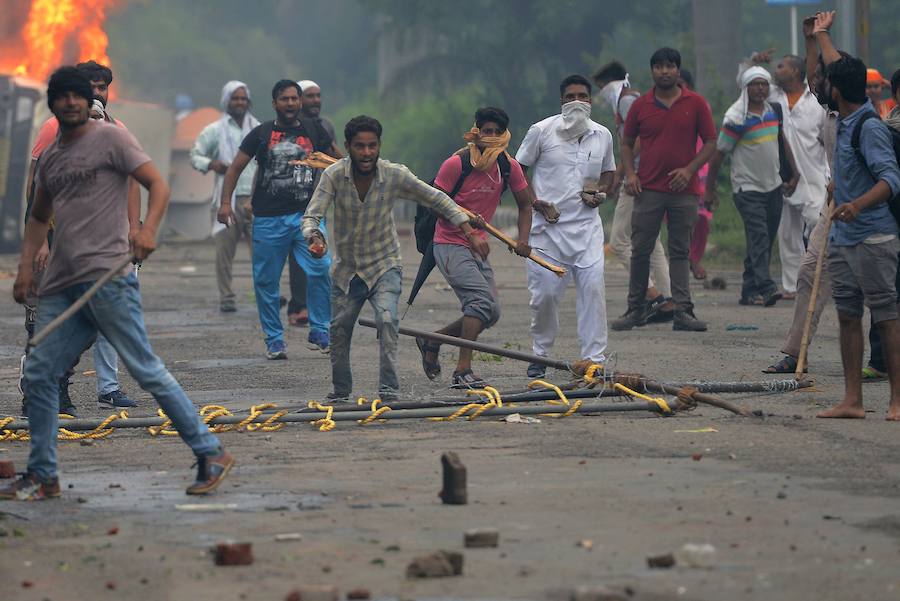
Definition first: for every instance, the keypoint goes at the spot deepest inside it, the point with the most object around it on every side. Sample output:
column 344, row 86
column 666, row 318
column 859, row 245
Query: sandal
column 432, row 369
column 463, row 380
column 698, row 271
column 787, row 365
column 870, row 374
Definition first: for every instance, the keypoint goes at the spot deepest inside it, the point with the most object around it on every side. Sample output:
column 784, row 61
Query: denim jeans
column 273, row 239
column 106, row 364
column 383, row 297
column 115, row 311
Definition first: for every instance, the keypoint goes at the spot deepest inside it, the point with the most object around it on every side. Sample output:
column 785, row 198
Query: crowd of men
column 813, row 165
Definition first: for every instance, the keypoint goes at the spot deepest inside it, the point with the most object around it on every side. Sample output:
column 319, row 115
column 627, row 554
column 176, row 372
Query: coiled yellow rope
column 658, row 401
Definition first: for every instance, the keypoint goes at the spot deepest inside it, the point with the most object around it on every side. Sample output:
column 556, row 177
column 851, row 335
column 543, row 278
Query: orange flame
column 58, row 32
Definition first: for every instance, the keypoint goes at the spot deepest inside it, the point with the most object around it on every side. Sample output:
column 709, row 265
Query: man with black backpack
column 862, row 258
column 284, row 186
column 476, row 177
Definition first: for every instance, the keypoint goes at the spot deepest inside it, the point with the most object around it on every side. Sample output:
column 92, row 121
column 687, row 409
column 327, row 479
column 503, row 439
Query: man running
column 363, row 189
column 214, row 150
column 85, row 192
column 667, row 120
column 478, row 187
column 572, row 158
column 284, row 185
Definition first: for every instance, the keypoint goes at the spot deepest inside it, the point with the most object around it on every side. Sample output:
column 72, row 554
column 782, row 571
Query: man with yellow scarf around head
column 478, row 187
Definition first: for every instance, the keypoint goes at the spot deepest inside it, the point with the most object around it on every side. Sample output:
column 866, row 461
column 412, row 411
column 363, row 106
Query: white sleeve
column 609, row 159
column 530, row 149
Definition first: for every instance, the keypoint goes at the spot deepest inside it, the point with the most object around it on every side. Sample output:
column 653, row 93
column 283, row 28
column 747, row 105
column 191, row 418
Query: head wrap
column 737, row 113
column 874, row 76
column 494, row 146
column 228, row 90
column 69, row 79
column 308, row 83
column 97, row 109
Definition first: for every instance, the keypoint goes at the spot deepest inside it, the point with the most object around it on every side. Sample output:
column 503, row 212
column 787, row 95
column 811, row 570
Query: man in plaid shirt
column 363, row 189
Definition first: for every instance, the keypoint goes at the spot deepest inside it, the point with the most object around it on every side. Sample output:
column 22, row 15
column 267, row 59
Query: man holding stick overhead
column 478, row 187
column 363, row 189
column 86, row 190
column 573, row 163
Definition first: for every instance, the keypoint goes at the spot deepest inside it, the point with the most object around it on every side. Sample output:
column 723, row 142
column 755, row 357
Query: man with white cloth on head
column 215, row 148
column 804, row 121
column 572, row 158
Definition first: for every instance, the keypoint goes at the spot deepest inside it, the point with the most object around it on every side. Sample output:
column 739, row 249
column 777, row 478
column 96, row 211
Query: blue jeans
column 115, row 311
column 383, row 297
column 106, row 364
column 273, row 239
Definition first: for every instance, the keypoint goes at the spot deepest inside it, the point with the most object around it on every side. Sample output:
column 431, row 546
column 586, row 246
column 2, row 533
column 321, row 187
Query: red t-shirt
column 480, row 193
column 668, row 137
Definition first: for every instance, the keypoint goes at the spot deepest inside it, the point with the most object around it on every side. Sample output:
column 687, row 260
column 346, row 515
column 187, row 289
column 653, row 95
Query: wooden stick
column 560, row 271
column 811, row 309
column 78, row 304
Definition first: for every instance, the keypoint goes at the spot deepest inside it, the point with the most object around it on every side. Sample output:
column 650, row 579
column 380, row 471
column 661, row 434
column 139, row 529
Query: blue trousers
column 115, row 311
column 273, row 239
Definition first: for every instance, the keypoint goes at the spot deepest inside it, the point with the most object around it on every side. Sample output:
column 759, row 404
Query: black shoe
column 65, row 401
column 115, row 400
column 337, row 397
column 686, row 321
column 750, row 300
column 771, row 298
column 655, row 313
column 463, row 380
column 227, row 306
column 536, row 370
column 635, row 317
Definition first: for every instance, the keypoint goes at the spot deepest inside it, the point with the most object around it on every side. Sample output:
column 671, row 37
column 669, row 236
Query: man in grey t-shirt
column 86, row 191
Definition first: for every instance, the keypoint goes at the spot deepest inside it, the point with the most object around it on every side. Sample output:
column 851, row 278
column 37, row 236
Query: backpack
column 425, row 220
column 893, row 203
column 784, row 166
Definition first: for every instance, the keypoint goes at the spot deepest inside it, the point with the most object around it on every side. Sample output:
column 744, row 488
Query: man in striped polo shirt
column 752, row 133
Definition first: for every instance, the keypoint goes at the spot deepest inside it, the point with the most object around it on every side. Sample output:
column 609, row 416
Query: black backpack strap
column 465, row 158
column 505, row 168
column 321, row 139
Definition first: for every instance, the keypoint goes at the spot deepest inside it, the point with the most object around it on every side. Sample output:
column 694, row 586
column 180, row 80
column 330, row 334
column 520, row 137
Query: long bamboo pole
column 811, row 308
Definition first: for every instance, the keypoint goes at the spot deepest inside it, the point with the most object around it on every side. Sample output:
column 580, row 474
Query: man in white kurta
column 804, row 122
column 568, row 152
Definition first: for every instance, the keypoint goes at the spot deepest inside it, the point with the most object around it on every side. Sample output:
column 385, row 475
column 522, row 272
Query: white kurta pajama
column 559, row 168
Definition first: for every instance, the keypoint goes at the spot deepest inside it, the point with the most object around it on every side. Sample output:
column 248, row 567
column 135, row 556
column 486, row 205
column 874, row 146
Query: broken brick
column 481, row 538
column 7, row 469
column 359, row 593
column 313, row 593
column 454, row 491
column 233, row 554
column 436, row 565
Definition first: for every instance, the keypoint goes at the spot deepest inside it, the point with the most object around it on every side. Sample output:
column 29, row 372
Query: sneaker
column 30, row 488
column 115, row 400
column 211, row 470
column 465, row 379
column 656, row 313
column 686, row 321
column 337, row 397
column 276, row 350
column 770, row 299
column 536, row 370
column 227, row 306
column 635, row 317
column 318, row 341
column 65, row 401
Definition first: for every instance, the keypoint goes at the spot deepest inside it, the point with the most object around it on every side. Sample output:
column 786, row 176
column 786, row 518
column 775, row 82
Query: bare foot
column 893, row 414
column 844, row 411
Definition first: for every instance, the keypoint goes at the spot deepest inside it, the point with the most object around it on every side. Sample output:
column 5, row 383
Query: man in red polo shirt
column 667, row 120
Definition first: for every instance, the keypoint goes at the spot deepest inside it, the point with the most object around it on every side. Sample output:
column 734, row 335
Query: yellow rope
column 376, row 411
column 658, row 401
column 326, row 424
column 563, row 400
column 590, row 377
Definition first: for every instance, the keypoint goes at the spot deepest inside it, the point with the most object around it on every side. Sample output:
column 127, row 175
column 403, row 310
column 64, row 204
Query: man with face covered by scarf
column 214, row 150
column 572, row 158
column 468, row 273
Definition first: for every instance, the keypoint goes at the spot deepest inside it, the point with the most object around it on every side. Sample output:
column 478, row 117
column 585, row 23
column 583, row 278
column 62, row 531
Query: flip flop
column 870, row 374
column 699, row 271
column 432, row 369
column 787, row 365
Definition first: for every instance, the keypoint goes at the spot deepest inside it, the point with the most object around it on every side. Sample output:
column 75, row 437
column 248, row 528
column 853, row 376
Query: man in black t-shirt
column 283, row 188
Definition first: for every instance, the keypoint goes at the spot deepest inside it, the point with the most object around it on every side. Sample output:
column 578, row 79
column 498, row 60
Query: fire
column 57, row 32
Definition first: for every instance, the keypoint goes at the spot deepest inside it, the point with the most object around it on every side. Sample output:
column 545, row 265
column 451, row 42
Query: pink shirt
column 480, row 193
column 47, row 135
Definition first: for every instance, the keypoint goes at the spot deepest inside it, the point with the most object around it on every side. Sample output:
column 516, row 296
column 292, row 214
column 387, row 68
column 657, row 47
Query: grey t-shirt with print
column 87, row 181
